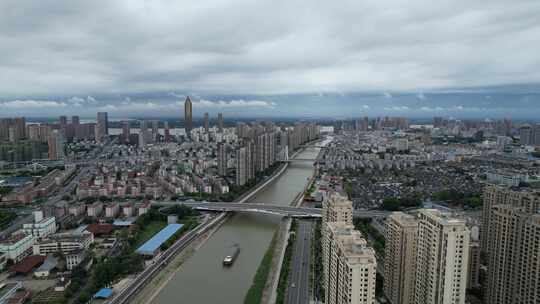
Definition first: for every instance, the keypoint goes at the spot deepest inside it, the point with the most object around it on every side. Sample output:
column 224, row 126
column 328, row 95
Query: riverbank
column 253, row 232
column 154, row 287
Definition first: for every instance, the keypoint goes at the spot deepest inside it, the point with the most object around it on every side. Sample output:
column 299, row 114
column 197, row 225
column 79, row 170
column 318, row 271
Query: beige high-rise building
column 514, row 250
column 442, row 258
column 350, row 266
column 337, row 208
column 500, row 195
column 400, row 258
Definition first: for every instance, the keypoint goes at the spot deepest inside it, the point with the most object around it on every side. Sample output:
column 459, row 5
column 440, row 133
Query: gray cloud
column 52, row 48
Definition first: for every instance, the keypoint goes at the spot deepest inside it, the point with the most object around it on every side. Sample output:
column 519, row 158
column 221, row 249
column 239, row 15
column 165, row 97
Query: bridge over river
column 277, row 209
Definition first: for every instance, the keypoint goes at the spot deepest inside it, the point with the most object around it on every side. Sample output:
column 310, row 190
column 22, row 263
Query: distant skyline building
column 56, row 144
column 125, row 132
column 167, row 131
column 206, row 123
column 222, row 159
column 241, row 166
column 102, row 126
column 188, row 116
column 220, row 122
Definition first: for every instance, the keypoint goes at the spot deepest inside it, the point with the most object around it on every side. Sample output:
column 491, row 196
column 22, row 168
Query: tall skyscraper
column 222, row 159
column 400, row 258
column 513, row 264
column 155, row 130
column 188, row 116
column 241, row 166
column 102, row 126
column 145, row 137
column 75, row 120
column 125, row 132
column 206, row 122
column 4, row 129
column 441, row 258
column 56, row 144
column 62, row 120
column 18, row 129
column 220, row 122
column 167, row 131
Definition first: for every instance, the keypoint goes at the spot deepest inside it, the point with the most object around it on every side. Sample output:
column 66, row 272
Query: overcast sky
column 270, row 58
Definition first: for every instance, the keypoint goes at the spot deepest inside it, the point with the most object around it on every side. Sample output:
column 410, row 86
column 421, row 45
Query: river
column 202, row 279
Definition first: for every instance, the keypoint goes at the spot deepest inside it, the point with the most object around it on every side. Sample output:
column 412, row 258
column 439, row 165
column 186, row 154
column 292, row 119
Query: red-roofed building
column 27, row 264
column 100, row 229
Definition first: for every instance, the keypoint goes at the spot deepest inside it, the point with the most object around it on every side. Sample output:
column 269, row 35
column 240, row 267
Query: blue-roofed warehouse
column 151, row 247
column 103, row 293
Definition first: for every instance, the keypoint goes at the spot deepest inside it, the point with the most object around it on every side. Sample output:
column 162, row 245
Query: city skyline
column 459, row 105
column 464, row 59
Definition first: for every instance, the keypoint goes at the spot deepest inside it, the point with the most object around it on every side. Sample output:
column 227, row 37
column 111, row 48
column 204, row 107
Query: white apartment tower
column 442, row 258
column 400, row 258
column 350, row 267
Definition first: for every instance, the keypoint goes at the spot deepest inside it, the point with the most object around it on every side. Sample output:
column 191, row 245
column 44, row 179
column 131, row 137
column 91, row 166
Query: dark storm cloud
column 225, row 47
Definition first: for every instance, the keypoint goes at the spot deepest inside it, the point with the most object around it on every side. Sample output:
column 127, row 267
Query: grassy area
column 364, row 225
column 317, row 259
column 286, row 267
column 6, row 217
column 254, row 294
column 148, row 231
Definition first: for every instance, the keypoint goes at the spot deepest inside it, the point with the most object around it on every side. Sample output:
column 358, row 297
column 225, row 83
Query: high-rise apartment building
column 337, row 208
column 167, row 131
column 56, row 145
column 222, row 159
column 514, row 249
column 500, row 195
column 102, row 126
column 241, row 166
column 350, row 265
column 206, row 122
column 400, row 258
column 155, row 130
column 18, row 129
column 125, row 132
column 220, row 122
column 4, row 129
column 188, row 116
column 441, row 258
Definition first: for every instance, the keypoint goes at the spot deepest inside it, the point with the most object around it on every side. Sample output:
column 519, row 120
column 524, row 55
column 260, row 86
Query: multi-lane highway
column 298, row 288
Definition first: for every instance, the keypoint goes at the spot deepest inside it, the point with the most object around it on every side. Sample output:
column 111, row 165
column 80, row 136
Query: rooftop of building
column 13, row 239
column 27, row 264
